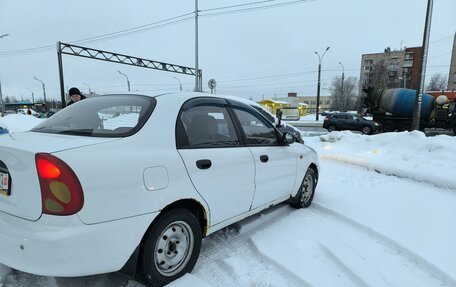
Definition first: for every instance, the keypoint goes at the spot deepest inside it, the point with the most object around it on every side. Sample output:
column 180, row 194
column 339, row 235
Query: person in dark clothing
column 75, row 96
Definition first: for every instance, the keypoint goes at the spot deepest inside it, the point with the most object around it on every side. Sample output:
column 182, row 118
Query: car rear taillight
column 61, row 191
column 326, row 119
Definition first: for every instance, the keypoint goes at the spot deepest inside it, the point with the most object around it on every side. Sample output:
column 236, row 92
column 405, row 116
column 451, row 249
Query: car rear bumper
column 64, row 246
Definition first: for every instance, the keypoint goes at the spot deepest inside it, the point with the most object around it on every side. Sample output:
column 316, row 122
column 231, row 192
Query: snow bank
column 405, row 154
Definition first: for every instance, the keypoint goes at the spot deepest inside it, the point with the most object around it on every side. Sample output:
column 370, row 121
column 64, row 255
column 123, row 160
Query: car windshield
column 358, row 117
column 103, row 116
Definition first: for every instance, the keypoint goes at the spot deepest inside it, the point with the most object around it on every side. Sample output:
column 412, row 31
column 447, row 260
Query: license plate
column 4, row 184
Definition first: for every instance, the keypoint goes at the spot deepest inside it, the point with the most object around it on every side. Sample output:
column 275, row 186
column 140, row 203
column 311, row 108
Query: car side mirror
column 288, row 138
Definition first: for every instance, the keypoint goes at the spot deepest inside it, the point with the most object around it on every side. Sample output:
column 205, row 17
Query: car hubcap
column 366, row 130
column 173, row 248
column 307, row 188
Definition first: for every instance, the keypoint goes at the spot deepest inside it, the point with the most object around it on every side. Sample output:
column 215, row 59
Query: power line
column 153, row 25
column 118, row 34
column 257, row 8
column 239, row 5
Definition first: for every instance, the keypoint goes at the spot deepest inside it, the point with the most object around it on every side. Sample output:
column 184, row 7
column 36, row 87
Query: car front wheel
column 306, row 192
column 171, row 247
column 367, row 130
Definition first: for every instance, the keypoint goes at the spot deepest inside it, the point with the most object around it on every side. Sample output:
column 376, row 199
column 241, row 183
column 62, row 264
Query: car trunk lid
column 20, row 192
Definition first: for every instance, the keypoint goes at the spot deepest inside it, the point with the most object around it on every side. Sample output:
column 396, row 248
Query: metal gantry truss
column 85, row 52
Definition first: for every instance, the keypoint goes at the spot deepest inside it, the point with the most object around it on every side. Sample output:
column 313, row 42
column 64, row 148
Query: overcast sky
column 253, row 53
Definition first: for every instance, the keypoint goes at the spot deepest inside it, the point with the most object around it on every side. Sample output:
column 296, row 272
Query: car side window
column 207, row 126
column 257, row 130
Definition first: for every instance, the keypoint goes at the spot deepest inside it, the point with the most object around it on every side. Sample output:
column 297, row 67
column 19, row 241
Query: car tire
column 367, row 130
column 170, row 248
column 388, row 126
column 331, row 128
column 306, row 191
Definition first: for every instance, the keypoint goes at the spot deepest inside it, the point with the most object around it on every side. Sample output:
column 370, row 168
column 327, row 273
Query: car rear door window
column 102, row 116
column 257, row 130
column 206, row 126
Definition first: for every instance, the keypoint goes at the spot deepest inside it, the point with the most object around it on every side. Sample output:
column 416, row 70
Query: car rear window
column 102, row 116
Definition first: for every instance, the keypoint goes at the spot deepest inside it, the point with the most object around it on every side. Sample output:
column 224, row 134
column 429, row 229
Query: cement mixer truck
column 393, row 109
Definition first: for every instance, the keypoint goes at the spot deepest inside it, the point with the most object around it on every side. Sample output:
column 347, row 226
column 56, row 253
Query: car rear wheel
column 388, row 126
column 331, row 128
column 367, row 130
column 306, row 192
column 171, row 247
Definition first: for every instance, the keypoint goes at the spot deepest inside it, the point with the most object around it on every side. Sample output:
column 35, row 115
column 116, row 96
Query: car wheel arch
column 194, row 207
column 131, row 266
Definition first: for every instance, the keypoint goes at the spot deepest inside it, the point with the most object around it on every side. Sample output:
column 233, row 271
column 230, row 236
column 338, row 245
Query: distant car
column 26, row 112
column 349, row 121
column 137, row 181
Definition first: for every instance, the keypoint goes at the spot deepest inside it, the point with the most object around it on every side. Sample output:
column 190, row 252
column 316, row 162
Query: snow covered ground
column 382, row 216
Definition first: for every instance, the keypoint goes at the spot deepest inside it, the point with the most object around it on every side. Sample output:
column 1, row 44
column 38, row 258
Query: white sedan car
column 135, row 182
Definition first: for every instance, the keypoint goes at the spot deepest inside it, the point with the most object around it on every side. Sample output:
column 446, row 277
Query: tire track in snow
column 420, row 262
column 221, row 251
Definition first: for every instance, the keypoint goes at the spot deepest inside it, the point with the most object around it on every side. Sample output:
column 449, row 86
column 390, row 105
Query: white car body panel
column 276, row 177
column 126, row 183
column 227, row 186
column 64, row 246
column 18, row 153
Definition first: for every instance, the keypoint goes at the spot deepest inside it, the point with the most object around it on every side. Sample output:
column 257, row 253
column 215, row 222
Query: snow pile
column 405, row 154
column 19, row 122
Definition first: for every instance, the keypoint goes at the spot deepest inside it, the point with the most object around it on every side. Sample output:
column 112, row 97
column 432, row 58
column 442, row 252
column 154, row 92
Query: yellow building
column 275, row 105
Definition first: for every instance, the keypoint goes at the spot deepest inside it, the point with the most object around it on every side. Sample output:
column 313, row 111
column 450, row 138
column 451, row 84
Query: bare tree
column 438, row 82
column 378, row 77
column 344, row 100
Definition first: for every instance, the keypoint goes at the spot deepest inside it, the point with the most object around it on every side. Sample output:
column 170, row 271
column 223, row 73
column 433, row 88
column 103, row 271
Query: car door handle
column 203, row 163
column 264, row 158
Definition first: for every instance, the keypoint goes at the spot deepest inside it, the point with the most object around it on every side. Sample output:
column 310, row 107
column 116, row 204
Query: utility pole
column 419, row 96
column 318, row 85
column 197, row 82
column 342, row 86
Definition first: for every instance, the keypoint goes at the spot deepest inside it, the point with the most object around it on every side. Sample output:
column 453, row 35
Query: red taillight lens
column 326, row 119
column 61, row 191
column 47, row 169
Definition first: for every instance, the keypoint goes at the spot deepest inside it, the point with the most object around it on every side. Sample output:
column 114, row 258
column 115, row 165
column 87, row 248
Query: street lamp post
column 342, row 86
column 318, row 85
column 126, row 77
column 180, row 84
column 44, row 91
column 33, row 96
column 90, row 92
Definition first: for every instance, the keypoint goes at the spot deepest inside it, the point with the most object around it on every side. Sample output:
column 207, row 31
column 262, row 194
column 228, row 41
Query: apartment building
column 401, row 68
